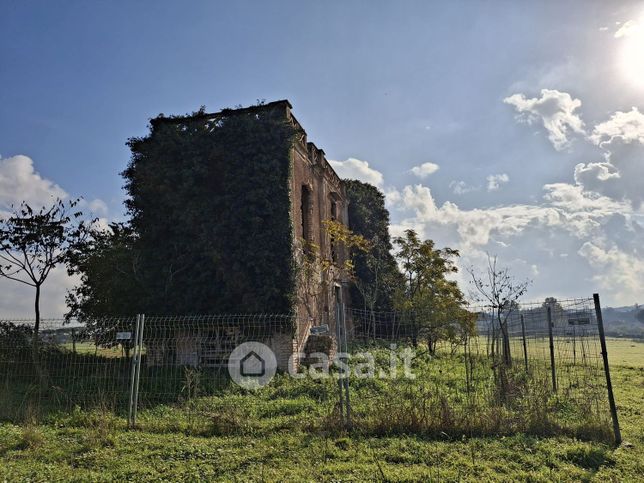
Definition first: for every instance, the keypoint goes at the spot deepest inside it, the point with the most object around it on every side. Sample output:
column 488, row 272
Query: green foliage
column 313, row 266
column 106, row 263
column 376, row 273
column 33, row 242
column 438, row 303
column 15, row 341
column 624, row 322
column 210, row 228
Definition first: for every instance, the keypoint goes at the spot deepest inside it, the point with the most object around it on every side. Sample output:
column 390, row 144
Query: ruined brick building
column 288, row 218
column 317, row 194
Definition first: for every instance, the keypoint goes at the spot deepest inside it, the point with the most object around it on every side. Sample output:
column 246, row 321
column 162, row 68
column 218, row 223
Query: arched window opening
column 306, row 210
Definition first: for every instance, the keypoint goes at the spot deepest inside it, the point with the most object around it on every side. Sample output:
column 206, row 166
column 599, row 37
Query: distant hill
column 624, row 321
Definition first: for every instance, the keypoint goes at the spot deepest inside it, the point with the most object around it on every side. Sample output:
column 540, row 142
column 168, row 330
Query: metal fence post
column 525, row 346
column 138, row 366
column 346, row 350
column 338, row 343
column 609, row 385
column 552, row 350
column 130, row 415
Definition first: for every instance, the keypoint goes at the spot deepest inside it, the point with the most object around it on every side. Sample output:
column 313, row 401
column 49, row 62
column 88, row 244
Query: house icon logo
column 252, row 365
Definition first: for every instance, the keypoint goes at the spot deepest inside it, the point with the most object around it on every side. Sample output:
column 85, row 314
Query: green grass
column 288, row 432
column 92, row 349
column 626, row 352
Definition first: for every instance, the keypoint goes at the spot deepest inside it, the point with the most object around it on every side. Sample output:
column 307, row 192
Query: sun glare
column 632, row 53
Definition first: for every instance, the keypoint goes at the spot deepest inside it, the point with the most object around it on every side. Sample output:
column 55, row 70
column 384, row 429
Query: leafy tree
column 16, row 341
column 498, row 288
column 34, row 242
column 376, row 273
column 437, row 304
column 640, row 316
column 316, row 271
column 557, row 311
column 107, row 263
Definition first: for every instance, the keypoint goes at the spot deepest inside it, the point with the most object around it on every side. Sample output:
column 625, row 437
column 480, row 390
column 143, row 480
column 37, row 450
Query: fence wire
column 535, row 368
column 531, row 367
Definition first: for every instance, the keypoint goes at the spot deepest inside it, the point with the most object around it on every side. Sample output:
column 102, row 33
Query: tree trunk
column 431, row 345
column 37, row 307
column 35, row 351
column 505, row 339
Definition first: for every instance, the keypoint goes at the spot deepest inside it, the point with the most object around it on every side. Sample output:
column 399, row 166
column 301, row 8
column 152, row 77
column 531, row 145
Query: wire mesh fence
column 64, row 364
column 533, row 368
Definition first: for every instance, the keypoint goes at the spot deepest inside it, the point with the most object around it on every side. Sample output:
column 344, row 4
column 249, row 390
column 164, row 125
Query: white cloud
column 579, row 237
column 494, row 181
column 461, row 187
column 618, row 272
column 474, row 227
column 555, row 109
column 625, row 126
column 540, row 235
column 621, row 138
column 620, row 174
column 353, row 168
column 627, row 29
column 98, row 207
column 591, row 171
column 17, row 299
column 392, row 198
column 19, row 181
column 573, row 199
column 424, row 170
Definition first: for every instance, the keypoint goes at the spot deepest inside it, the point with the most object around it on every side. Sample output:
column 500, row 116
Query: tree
column 315, row 271
column 640, row 316
column 501, row 290
column 33, row 243
column 436, row 304
column 557, row 311
column 107, row 264
column 376, row 273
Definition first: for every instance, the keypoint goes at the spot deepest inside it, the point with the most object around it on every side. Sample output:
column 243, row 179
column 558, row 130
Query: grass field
column 282, row 434
column 90, row 348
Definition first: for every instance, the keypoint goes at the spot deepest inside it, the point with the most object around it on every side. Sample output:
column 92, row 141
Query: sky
column 509, row 128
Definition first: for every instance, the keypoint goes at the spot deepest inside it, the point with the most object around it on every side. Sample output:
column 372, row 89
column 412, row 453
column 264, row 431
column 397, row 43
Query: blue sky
column 517, row 103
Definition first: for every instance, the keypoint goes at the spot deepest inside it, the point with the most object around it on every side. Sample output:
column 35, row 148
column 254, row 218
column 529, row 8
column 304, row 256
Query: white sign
column 123, row 335
column 320, row 330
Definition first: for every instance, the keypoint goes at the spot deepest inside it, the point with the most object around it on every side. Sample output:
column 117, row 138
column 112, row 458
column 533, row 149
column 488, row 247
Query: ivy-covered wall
column 209, row 197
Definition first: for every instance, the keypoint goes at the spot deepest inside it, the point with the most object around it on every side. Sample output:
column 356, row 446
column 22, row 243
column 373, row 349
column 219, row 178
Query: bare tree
column 501, row 290
column 33, row 242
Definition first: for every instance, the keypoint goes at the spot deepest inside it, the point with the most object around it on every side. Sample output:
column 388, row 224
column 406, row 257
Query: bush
column 15, row 341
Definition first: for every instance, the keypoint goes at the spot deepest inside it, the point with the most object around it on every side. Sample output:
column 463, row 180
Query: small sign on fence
column 124, row 336
column 320, row 330
column 579, row 321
